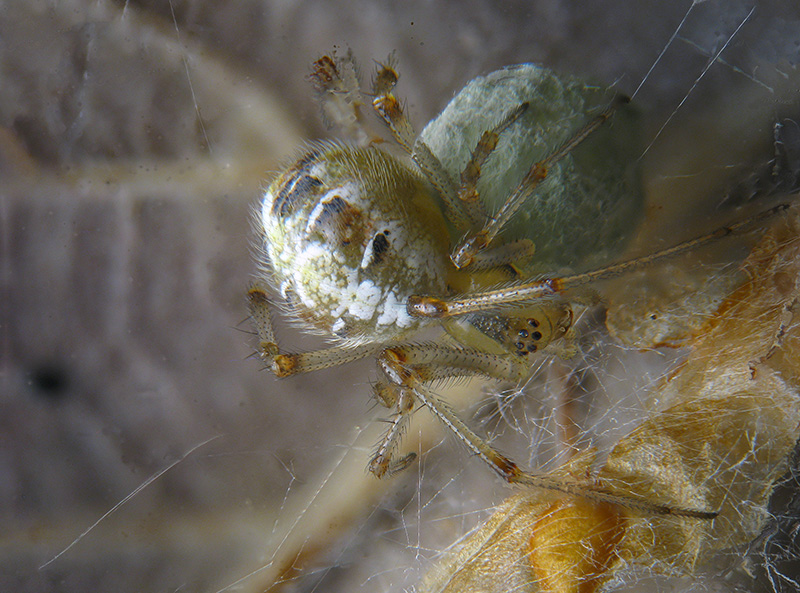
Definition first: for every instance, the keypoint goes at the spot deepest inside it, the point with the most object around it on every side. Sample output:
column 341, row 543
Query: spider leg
column 384, row 462
column 410, row 368
column 464, row 252
column 285, row 364
column 338, row 88
column 500, row 255
column 435, row 172
column 391, row 112
column 389, row 108
column 407, row 367
column 463, row 203
column 429, row 306
column 464, row 206
column 468, row 197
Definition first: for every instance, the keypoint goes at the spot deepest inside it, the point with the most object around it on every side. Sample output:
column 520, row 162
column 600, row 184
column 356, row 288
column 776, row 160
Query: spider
column 369, row 252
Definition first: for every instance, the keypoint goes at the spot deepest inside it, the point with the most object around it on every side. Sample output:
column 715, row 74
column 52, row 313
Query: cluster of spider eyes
column 529, row 346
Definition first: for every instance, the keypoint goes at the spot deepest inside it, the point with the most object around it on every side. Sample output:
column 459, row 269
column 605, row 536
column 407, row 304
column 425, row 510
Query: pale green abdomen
column 586, row 210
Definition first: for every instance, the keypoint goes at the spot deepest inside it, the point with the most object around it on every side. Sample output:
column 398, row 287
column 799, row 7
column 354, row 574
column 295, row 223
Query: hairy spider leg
column 464, row 253
column 411, row 367
column 462, row 202
column 285, row 364
column 521, row 292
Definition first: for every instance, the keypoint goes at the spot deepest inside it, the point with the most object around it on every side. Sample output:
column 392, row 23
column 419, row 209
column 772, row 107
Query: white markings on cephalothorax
column 393, row 311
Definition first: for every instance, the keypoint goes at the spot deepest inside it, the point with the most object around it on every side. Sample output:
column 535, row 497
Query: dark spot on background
column 49, row 382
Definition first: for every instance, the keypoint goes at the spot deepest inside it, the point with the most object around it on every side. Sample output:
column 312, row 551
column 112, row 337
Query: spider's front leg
column 408, row 369
column 338, row 88
column 464, row 207
column 531, row 290
column 285, row 364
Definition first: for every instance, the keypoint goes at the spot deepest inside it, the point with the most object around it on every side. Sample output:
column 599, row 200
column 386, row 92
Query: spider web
column 135, row 136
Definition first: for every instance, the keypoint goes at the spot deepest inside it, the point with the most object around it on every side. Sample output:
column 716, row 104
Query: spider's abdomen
column 348, row 234
column 587, row 208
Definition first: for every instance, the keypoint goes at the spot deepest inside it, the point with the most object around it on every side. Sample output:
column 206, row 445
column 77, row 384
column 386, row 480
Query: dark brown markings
column 380, row 245
column 294, row 184
column 294, row 192
column 339, row 222
column 324, row 74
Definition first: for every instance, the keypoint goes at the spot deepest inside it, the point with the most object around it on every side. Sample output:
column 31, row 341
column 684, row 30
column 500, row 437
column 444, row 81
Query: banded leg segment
column 384, row 462
column 391, row 112
column 440, row 308
column 409, row 369
column 511, row 472
column 285, row 364
column 464, row 253
column 464, row 206
column 435, row 172
column 504, row 254
column 388, row 107
column 339, row 94
column 468, row 197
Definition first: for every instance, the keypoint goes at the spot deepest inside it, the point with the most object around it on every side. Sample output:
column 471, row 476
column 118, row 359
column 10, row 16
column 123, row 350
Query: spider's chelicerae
column 368, row 251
